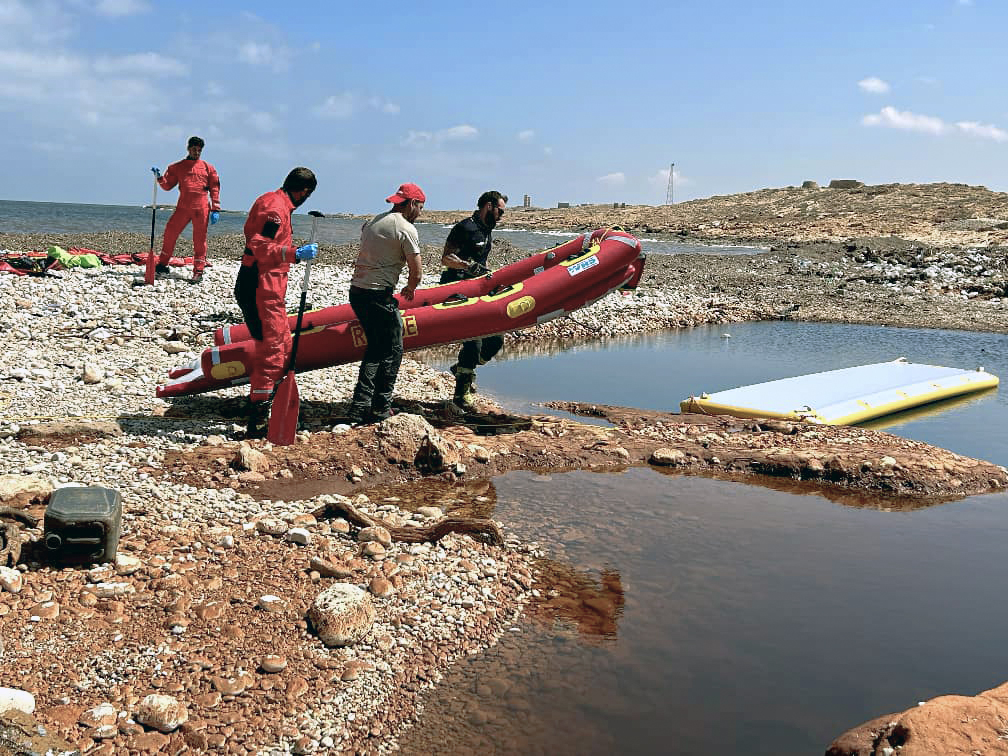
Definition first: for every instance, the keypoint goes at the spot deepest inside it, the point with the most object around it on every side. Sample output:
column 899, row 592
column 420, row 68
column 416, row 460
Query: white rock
column 10, row 580
column 270, row 603
column 299, row 536
column 111, row 590
column 342, row 614
column 126, row 564
column 375, row 533
column 163, row 713
column 14, row 698
column 92, row 373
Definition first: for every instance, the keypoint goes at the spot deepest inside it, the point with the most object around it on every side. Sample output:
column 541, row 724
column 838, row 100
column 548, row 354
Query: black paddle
column 150, row 272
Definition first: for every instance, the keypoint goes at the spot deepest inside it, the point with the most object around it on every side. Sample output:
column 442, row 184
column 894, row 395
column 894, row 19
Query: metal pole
column 671, row 178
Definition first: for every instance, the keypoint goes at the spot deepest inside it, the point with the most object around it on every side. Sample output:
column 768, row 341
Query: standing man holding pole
column 465, row 256
column 388, row 242
column 194, row 178
column 261, row 288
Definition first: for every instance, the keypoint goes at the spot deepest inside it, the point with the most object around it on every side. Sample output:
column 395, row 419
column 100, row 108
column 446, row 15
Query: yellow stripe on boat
column 847, row 396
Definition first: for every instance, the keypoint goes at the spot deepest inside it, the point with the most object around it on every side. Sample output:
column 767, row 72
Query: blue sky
column 566, row 102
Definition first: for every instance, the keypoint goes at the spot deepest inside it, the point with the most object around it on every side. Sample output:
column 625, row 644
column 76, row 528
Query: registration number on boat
column 583, row 265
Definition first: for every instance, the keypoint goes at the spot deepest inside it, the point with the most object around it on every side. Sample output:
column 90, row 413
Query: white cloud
column 37, row 23
column 451, row 134
column 874, row 85
column 383, row 105
column 984, row 131
column 547, row 150
column 526, row 135
column 264, row 54
column 121, row 7
column 346, row 104
column 141, row 63
column 463, row 131
column 660, row 178
column 905, row 120
column 613, row 179
column 338, row 106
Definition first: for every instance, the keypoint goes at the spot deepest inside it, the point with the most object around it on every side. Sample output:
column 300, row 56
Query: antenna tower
column 670, row 192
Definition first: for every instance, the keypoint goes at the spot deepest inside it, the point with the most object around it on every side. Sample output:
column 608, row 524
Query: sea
column 18, row 216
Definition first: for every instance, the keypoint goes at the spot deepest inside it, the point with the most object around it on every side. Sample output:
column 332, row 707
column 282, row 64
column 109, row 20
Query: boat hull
column 556, row 282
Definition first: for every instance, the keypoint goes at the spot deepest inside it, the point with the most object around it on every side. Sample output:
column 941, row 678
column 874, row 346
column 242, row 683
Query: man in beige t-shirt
column 388, row 242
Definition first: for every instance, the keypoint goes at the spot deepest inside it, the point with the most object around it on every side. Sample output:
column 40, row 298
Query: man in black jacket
column 465, row 256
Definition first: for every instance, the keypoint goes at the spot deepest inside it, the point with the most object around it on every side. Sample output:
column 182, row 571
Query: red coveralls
column 194, row 179
column 272, row 254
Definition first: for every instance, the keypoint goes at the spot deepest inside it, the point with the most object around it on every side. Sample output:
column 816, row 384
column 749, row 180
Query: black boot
column 258, row 419
column 465, row 379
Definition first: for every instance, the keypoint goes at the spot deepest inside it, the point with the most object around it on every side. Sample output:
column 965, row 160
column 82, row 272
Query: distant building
column 561, row 205
column 845, row 184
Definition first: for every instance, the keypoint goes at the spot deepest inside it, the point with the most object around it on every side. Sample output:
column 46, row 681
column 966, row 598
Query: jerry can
column 82, row 524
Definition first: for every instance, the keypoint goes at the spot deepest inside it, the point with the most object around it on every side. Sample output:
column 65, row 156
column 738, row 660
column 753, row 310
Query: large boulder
column 24, row 491
column 162, row 713
column 342, row 614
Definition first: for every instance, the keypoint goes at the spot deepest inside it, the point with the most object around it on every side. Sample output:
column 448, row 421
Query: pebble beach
column 198, row 635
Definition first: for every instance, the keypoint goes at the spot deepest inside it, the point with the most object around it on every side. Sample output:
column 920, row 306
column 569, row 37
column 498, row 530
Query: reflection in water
column 749, row 620
column 838, row 495
column 589, row 600
column 469, row 498
column 892, row 422
column 569, row 596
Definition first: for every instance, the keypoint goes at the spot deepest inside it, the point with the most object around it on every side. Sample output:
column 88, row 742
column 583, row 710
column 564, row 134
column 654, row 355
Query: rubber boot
column 454, row 371
column 258, row 419
column 464, row 394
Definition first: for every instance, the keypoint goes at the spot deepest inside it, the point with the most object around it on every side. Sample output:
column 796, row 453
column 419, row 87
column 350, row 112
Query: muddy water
column 696, row 616
column 693, row 616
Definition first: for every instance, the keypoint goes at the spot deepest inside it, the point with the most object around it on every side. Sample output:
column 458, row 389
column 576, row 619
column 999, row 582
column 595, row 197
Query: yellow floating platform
column 847, row 396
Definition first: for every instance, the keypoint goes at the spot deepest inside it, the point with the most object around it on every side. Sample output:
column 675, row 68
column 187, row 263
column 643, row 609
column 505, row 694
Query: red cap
column 407, row 192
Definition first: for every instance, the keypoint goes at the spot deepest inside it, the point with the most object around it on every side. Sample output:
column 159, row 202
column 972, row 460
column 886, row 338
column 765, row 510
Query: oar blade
column 283, row 421
column 149, row 273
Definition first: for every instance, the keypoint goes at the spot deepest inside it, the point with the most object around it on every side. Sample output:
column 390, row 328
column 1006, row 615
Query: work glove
column 157, row 172
column 214, row 217
column 306, row 252
column 477, row 269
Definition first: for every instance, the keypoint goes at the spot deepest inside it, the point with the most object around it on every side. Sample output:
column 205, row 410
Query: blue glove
column 157, row 172
column 306, row 252
column 214, row 217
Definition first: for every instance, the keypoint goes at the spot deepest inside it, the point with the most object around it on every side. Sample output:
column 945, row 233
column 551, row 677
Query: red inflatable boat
column 531, row 291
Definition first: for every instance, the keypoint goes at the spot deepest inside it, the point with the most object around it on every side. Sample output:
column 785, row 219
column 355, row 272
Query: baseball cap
column 407, row 192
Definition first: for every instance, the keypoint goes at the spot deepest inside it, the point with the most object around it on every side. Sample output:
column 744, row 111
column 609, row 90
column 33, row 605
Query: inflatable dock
column 847, row 396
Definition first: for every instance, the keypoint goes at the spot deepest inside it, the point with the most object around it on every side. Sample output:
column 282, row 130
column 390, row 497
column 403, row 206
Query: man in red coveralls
column 261, row 289
column 194, row 178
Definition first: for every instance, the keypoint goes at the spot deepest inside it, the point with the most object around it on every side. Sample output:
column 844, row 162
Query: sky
column 565, row 102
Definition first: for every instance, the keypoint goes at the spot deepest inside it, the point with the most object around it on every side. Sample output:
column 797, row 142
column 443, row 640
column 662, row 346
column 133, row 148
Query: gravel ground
column 87, row 345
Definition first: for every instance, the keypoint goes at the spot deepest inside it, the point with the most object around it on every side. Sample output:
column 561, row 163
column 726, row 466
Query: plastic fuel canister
column 82, row 524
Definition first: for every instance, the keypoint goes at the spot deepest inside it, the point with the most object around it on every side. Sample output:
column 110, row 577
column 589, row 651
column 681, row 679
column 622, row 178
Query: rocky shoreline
column 213, row 526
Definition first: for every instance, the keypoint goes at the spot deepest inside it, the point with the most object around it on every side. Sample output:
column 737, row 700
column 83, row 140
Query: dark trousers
column 378, row 313
column 479, row 351
column 245, row 294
